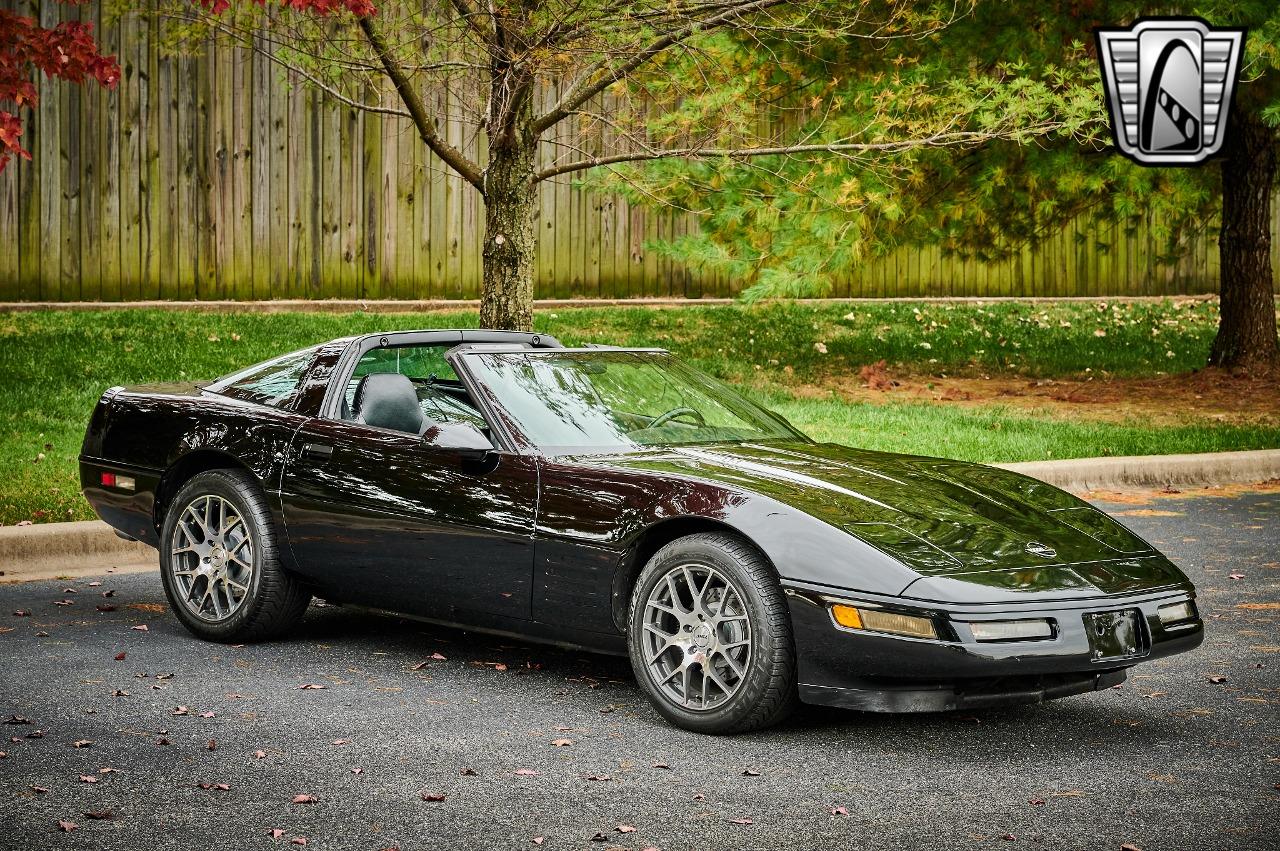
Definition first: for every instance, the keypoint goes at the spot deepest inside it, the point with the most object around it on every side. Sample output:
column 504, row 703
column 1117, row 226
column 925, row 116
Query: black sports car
column 618, row 500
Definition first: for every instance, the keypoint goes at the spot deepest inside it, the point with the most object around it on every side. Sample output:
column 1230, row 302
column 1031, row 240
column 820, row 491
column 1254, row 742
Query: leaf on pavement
column 750, row 772
column 311, row 686
column 276, row 832
column 206, row 714
column 259, row 754
column 1129, row 846
column 439, row 658
column 17, row 719
column 600, row 837
column 740, row 821
column 561, row 743
column 499, row 666
column 1217, row 680
column 839, row 811
column 526, row 772
column 626, row 828
column 304, row 799
column 67, row 826
column 100, row 815
column 212, row 744
column 598, row 777
column 467, row 772
column 434, row 797
column 341, row 742
column 299, row 840
column 88, row 778
column 120, row 656
column 39, row 790
column 181, row 710
column 23, row 613
column 105, row 607
column 537, row 840
column 82, row 743
column 110, row 593
column 357, row 770
column 142, row 627
column 662, row 765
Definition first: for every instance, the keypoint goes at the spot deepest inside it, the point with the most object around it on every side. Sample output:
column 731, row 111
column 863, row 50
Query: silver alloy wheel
column 697, row 637
column 211, row 557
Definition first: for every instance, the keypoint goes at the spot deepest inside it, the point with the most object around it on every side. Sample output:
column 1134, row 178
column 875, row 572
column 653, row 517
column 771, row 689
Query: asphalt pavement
column 372, row 720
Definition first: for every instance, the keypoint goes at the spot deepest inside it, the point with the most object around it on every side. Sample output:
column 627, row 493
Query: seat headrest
column 388, row 400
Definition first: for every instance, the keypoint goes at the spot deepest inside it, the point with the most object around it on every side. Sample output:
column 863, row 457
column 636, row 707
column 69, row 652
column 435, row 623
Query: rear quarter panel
column 149, row 432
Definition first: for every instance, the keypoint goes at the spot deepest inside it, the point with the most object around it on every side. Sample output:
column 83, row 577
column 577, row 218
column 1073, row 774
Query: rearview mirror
column 459, row 436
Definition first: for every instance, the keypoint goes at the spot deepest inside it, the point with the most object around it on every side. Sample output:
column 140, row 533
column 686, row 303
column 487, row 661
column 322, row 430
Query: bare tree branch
column 454, row 158
column 937, row 140
column 587, row 88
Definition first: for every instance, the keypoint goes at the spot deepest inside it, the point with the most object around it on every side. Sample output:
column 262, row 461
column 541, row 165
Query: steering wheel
column 664, row 418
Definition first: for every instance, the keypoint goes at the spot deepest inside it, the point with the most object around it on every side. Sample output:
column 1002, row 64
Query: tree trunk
column 1247, row 329
column 506, row 299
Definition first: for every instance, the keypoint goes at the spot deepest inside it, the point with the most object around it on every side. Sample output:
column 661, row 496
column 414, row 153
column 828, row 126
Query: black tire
column 766, row 691
column 275, row 600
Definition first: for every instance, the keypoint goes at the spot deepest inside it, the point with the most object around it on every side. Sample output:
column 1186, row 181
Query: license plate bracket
column 1115, row 634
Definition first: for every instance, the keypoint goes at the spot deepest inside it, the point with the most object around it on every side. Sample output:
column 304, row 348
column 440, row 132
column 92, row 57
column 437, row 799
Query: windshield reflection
column 581, row 402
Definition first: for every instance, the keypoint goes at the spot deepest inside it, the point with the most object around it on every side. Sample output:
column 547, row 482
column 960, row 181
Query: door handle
column 319, row 451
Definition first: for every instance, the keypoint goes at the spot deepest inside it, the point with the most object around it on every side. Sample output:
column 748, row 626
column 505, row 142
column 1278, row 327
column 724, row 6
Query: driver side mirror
column 459, row 436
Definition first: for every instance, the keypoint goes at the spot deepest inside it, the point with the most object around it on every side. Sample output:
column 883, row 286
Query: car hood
column 942, row 518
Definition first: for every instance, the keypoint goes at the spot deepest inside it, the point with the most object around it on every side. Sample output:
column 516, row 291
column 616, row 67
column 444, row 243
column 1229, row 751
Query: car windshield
column 569, row 402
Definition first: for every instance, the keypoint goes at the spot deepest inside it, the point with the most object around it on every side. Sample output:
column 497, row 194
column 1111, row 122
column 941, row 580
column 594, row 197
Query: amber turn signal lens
column 847, row 616
column 898, row 624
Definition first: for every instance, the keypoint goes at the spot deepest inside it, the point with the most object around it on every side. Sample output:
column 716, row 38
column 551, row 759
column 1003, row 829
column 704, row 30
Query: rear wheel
column 219, row 562
column 709, row 636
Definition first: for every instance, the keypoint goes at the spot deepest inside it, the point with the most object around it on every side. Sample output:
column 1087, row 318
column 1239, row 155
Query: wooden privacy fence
column 219, row 177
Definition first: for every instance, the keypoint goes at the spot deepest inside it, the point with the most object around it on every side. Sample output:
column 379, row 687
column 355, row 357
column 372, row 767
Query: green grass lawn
column 57, row 363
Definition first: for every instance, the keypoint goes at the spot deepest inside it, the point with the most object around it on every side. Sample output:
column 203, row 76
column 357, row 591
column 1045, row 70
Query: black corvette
column 618, row 500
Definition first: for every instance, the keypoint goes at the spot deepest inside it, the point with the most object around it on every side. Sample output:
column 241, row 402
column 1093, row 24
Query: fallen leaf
column 67, row 826
column 63, row 602
column 1036, row 802
column 310, row 686
column 206, row 714
column 180, row 710
column 537, row 840
column 276, row 832
column 164, row 676
column 699, row 797
column 1129, row 846
column 1235, row 576
column 434, row 797
column 105, row 607
column 526, row 772
column 561, row 743
column 750, row 772
column 259, row 754
column 119, row 693
column 39, row 790
column 35, row 734
column 212, row 744
column 1009, row 837
column 1217, row 680
column 142, row 627
column 357, row 771
column 108, row 770
column 304, row 799
column 662, row 765
column 740, row 821
column 499, row 667
column 101, row 815
column 437, row 657
column 110, row 593
column 82, row 743
column 17, row 720
column 1251, row 606
column 299, row 840
column 600, row 837
column 88, row 778
column 341, row 742
column 839, row 811
column 23, row 613
column 120, row 656
column 598, row 777
column 467, row 772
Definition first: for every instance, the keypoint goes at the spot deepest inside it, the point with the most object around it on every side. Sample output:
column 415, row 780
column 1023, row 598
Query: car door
column 384, row 518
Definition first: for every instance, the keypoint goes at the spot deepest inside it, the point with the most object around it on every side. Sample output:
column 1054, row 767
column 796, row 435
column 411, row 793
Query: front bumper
column 886, row 673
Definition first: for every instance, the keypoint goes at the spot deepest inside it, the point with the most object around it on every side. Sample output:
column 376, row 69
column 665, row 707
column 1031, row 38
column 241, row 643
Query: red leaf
column 1036, row 802
column 105, row 607
column 304, row 799
column 499, row 667
column 434, row 797
column 1009, row 837
column 67, row 826
column 120, row 656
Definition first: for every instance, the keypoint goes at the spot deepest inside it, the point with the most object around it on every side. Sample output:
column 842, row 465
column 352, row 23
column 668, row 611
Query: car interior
column 407, row 388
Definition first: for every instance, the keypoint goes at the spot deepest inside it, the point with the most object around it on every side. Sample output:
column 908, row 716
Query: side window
column 272, row 383
column 441, row 394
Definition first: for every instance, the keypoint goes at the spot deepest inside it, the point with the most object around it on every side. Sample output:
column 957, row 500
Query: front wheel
column 219, row 563
column 709, row 636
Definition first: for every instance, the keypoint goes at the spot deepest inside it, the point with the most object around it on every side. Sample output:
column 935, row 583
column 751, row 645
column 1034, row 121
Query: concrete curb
column 82, row 548
column 91, row 548
column 1154, row 471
